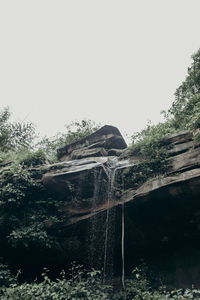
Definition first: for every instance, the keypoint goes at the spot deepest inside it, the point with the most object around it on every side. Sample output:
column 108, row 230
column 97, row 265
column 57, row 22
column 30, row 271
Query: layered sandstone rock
column 162, row 215
column 80, row 165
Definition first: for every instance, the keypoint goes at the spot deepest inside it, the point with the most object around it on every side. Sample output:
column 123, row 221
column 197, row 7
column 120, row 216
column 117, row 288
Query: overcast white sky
column 115, row 62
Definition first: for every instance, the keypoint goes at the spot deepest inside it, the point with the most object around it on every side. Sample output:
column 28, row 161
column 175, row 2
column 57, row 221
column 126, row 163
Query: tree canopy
column 185, row 110
column 17, row 139
column 14, row 135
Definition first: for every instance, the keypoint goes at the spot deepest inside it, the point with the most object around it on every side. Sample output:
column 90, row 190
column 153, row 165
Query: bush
column 80, row 286
column 85, row 285
column 6, row 278
column 150, row 141
column 150, row 148
column 74, row 131
column 24, row 208
column 29, row 158
column 28, row 236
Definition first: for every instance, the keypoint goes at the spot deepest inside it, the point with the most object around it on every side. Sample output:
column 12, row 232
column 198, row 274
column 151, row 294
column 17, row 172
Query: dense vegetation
column 27, row 209
column 184, row 114
column 84, row 285
column 185, row 110
column 74, row 131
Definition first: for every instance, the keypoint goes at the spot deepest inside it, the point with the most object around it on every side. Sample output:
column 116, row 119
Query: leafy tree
column 183, row 114
column 16, row 139
column 14, row 135
column 185, row 110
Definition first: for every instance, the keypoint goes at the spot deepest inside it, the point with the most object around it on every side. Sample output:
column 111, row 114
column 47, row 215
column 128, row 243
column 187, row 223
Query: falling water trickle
column 112, row 167
column 102, row 225
column 94, row 221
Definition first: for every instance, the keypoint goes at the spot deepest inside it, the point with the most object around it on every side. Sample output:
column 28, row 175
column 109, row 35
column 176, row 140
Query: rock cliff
column 162, row 215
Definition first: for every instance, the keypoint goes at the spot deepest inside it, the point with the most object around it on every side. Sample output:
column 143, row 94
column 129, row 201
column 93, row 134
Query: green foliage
column 14, row 135
column 16, row 185
column 24, row 208
column 6, row 278
column 81, row 286
column 138, row 286
column 5, row 156
column 150, row 149
column 87, row 285
column 149, row 141
column 78, row 130
column 28, row 236
column 32, row 158
column 24, row 156
column 185, row 110
column 197, row 137
column 148, row 144
column 75, row 131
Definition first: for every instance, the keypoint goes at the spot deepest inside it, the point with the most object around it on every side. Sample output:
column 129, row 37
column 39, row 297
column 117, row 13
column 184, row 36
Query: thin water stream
column 111, row 180
column 94, row 223
column 106, row 223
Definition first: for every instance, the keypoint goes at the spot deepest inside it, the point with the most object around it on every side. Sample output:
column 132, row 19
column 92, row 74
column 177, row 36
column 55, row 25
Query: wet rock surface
column 162, row 216
column 82, row 162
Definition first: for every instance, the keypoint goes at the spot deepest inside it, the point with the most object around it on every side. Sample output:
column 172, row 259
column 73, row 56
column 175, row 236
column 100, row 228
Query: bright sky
column 115, row 62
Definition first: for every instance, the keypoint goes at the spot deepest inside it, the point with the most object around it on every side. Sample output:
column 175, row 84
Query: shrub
column 29, row 158
column 24, row 207
column 80, row 286
column 74, row 131
column 6, row 278
column 150, row 141
column 150, row 149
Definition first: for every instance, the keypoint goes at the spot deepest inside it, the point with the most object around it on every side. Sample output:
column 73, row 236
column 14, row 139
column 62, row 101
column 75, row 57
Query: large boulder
column 106, row 138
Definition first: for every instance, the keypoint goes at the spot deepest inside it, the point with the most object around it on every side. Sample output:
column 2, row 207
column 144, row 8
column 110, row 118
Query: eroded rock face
column 105, row 138
column 75, row 181
column 79, row 166
column 162, row 216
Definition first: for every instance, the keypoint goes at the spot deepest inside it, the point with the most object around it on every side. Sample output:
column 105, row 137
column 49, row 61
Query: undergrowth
column 82, row 285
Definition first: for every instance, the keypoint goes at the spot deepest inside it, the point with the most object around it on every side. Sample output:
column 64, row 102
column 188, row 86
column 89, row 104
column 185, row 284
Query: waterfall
column 112, row 167
column 102, row 225
column 95, row 222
